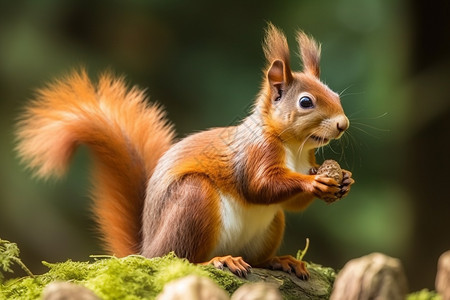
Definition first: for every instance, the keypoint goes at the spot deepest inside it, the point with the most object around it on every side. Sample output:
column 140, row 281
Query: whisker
column 301, row 147
column 349, row 141
column 344, row 90
column 286, row 129
column 331, row 148
column 350, row 117
column 352, row 94
column 354, row 145
column 366, row 132
column 373, row 118
column 344, row 142
column 371, row 127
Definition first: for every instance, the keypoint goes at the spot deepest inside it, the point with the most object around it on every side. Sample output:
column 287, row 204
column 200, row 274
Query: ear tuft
column 276, row 49
column 275, row 45
column 309, row 53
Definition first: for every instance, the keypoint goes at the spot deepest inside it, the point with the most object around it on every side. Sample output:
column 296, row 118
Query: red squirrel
column 214, row 197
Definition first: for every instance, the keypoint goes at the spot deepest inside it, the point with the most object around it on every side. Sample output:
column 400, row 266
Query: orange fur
column 126, row 136
column 276, row 49
column 213, row 194
column 309, row 53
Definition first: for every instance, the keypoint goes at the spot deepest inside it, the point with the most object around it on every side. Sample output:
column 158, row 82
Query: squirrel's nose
column 342, row 124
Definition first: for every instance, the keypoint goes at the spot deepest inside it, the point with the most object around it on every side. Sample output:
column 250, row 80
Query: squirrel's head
column 297, row 106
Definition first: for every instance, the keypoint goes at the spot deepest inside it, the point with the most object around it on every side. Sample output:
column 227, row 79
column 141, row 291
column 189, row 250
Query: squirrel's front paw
column 326, row 188
column 346, row 184
column 330, row 169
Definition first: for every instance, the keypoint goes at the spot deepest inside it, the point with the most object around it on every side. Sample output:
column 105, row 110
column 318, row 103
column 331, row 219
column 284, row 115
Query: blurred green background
column 202, row 60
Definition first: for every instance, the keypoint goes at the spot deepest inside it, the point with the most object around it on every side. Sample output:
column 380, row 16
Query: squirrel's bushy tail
column 125, row 135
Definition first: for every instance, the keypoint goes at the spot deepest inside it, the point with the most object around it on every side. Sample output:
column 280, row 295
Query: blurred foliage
column 424, row 295
column 202, row 60
column 9, row 255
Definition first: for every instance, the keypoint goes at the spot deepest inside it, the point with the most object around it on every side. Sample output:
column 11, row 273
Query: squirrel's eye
column 306, row 102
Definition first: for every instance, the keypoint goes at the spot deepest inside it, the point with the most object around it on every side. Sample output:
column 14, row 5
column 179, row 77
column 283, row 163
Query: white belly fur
column 297, row 162
column 243, row 228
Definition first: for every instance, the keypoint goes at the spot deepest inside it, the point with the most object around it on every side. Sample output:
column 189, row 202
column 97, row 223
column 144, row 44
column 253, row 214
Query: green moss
column 135, row 277
column 226, row 280
column 328, row 274
column 132, row 277
column 424, row 295
column 319, row 286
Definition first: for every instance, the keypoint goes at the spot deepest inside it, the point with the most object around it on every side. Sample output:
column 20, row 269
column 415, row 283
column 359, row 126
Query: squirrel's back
column 125, row 134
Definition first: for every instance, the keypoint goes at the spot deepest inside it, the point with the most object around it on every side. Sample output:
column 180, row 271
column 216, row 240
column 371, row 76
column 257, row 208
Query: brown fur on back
column 126, row 136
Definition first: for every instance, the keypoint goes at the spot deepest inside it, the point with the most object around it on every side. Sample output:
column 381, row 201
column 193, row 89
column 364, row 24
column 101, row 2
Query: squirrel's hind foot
column 288, row 264
column 235, row 264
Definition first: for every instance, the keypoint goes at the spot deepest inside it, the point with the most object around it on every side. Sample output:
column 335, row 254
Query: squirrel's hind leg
column 285, row 263
column 189, row 221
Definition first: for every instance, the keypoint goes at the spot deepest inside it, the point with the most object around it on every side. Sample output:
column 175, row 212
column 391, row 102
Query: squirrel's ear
column 309, row 53
column 277, row 73
column 276, row 51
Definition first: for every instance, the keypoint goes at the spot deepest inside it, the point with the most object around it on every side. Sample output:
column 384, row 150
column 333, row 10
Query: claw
column 345, row 186
column 218, row 265
column 326, row 188
column 289, row 265
column 346, row 181
column 313, row 171
column 235, row 264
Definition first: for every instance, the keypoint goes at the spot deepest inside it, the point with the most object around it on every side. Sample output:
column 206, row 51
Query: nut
column 331, row 169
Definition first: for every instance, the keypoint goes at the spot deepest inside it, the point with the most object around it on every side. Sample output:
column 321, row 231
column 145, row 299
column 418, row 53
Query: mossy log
column 319, row 285
column 136, row 277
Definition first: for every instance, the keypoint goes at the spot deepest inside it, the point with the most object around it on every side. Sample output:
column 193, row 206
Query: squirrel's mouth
column 319, row 139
